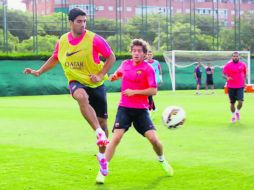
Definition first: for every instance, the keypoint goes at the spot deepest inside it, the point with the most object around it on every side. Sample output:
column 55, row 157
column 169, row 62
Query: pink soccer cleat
column 237, row 116
column 102, row 140
column 233, row 119
column 103, row 166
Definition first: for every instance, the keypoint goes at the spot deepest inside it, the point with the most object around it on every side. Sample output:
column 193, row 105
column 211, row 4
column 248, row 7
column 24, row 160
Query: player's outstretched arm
column 114, row 77
column 50, row 63
column 107, row 65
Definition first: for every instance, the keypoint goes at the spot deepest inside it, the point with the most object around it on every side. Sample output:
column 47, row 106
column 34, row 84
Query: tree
column 56, row 24
column 19, row 24
column 247, row 32
column 227, row 39
column 12, row 43
column 182, row 39
column 104, row 27
column 126, row 40
column 45, row 44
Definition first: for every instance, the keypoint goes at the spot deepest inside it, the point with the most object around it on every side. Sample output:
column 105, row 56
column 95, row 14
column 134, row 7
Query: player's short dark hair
column 236, row 52
column 74, row 13
column 140, row 42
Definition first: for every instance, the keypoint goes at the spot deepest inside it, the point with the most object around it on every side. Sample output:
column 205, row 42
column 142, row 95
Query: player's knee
column 81, row 97
column 154, row 141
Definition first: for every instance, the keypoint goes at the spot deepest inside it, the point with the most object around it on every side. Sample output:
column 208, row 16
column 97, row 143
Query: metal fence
column 224, row 14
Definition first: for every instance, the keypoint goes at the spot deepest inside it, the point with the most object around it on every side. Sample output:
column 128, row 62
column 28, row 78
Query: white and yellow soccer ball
column 173, row 116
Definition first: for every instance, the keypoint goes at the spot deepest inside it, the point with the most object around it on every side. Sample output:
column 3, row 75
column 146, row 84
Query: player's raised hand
column 112, row 77
column 28, row 71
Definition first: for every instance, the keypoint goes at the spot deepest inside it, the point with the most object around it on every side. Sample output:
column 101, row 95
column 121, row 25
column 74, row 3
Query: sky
column 16, row 4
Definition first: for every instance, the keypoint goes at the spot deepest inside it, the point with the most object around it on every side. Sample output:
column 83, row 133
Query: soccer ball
column 173, row 116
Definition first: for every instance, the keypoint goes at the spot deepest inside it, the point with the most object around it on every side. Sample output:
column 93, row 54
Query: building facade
column 225, row 10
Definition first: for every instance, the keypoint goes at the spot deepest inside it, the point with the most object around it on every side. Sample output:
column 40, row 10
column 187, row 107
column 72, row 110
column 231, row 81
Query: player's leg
column 145, row 127
column 119, row 129
column 158, row 149
column 232, row 99
column 81, row 96
column 116, row 138
column 239, row 96
column 154, row 140
column 212, row 88
column 198, row 85
column 122, row 123
column 98, row 100
column 212, row 85
column 110, row 150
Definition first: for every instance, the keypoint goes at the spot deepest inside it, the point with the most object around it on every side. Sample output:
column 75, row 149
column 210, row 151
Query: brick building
column 125, row 9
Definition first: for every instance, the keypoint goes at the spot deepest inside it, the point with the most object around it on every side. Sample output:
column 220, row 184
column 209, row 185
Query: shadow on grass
column 237, row 125
column 154, row 184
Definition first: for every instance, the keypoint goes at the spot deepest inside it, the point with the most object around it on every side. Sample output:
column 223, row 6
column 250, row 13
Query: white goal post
column 183, row 59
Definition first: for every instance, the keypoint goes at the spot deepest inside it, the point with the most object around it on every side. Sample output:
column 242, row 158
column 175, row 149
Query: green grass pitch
column 45, row 144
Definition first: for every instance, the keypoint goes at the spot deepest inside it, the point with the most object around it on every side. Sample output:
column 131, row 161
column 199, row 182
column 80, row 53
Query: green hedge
column 46, row 55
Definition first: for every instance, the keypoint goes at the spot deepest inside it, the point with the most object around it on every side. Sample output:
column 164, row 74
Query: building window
column 100, row 8
column 128, row 9
column 90, row 10
column 110, row 8
column 119, row 8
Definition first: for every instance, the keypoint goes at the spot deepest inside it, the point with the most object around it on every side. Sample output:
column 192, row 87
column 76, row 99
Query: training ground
column 45, row 144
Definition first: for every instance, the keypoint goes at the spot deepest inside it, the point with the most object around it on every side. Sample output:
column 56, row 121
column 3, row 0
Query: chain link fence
column 165, row 24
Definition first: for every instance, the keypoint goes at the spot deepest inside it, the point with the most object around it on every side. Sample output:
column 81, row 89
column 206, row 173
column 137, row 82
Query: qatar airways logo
column 74, row 65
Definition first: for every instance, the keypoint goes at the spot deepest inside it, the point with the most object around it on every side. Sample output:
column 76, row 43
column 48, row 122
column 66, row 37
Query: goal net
column 178, row 60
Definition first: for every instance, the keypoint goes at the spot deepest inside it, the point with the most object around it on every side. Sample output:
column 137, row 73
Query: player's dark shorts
column 140, row 119
column 97, row 97
column 198, row 80
column 235, row 94
column 209, row 81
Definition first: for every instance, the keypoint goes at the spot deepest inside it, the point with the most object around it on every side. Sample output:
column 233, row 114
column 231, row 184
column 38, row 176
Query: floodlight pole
column 173, row 72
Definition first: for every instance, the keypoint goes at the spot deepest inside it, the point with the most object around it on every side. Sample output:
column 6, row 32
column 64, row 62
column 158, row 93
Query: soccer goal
column 180, row 59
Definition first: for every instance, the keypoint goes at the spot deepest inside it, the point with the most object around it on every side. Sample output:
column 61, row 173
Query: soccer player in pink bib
column 235, row 73
column 78, row 52
column 138, row 82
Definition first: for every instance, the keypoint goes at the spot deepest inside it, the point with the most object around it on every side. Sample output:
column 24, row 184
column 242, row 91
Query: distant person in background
column 209, row 78
column 78, row 52
column 158, row 75
column 235, row 73
column 198, row 77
